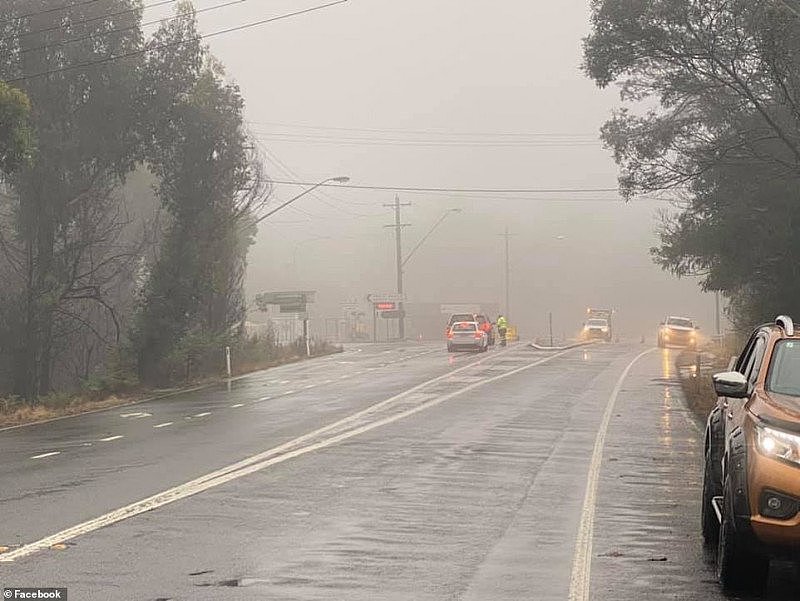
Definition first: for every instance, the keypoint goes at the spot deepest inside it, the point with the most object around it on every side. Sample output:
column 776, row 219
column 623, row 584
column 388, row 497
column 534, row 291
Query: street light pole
column 339, row 180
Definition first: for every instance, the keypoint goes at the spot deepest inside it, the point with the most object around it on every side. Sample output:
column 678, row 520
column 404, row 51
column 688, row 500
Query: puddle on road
column 235, row 583
column 665, row 433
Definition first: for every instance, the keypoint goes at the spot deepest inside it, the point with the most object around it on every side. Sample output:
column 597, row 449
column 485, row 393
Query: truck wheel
column 712, row 477
column 738, row 568
column 708, row 517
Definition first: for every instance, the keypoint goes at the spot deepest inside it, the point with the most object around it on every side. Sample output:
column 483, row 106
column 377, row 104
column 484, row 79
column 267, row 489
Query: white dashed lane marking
column 145, row 414
column 43, row 455
column 136, row 415
column 396, row 408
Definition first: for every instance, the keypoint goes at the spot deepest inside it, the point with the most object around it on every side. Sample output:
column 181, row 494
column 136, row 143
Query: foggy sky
column 444, row 68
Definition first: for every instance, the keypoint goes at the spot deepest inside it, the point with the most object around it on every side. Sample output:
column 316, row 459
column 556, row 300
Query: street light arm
column 299, row 196
column 426, row 236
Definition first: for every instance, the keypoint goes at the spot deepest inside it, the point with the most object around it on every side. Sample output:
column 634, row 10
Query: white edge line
column 579, row 588
column 237, row 405
column 257, row 462
column 164, row 425
column 111, row 438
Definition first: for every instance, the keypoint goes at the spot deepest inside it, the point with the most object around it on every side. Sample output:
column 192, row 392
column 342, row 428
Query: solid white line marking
column 237, row 405
column 204, row 414
column 43, row 455
column 164, row 425
column 110, row 438
column 258, row 462
column 579, row 586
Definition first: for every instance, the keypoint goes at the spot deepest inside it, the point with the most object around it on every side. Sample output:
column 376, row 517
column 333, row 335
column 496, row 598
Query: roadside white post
column 228, row 361
column 306, row 337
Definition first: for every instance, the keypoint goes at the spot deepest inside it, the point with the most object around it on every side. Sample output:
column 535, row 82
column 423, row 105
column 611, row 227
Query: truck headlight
column 604, row 329
column 778, row 444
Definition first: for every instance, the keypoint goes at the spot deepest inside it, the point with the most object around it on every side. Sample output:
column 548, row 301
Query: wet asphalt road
column 452, row 488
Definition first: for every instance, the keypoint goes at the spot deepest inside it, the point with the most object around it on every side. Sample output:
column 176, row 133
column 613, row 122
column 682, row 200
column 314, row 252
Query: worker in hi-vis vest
column 502, row 328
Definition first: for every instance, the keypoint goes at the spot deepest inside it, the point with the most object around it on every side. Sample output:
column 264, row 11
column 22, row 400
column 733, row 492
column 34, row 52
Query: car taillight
column 478, row 335
column 450, row 334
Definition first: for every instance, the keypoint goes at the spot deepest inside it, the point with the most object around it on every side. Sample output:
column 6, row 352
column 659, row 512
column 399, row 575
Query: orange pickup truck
column 751, row 479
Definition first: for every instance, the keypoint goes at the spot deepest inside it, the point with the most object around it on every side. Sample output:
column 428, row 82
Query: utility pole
column 507, row 236
column 398, row 232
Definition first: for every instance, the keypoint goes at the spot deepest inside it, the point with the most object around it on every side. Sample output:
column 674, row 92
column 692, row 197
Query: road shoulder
column 647, row 530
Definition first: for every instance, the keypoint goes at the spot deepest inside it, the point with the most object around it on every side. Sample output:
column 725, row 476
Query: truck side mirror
column 731, row 384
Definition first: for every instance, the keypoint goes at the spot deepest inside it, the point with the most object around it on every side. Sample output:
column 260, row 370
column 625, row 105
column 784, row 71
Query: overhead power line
column 93, row 36
column 102, row 17
column 49, row 10
column 142, row 51
column 456, row 190
column 430, row 132
column 360, row 141
column 318, row 194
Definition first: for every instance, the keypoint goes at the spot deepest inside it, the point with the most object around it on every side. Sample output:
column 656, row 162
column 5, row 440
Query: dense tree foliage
column 67, row 221
column 85, row 269
column 210, row 183
column 725, row 136
column 15, row 132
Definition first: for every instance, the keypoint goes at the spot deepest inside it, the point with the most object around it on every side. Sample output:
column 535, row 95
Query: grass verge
column 16, row 412
column 695, row 370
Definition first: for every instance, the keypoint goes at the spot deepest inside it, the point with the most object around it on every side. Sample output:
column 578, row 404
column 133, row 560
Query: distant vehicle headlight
column 604, row 329
column 778, row 444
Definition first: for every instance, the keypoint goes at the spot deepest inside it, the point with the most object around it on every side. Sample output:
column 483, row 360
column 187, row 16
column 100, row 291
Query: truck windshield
column 784, row 373
column 598, row 323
